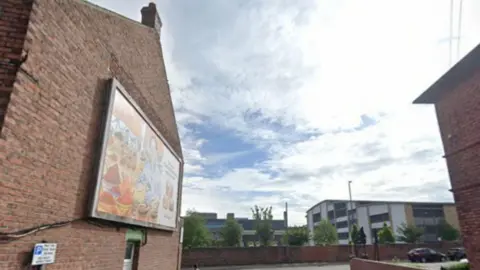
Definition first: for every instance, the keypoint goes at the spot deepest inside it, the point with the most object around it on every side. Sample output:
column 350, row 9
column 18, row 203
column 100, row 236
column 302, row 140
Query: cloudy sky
column 287, row 100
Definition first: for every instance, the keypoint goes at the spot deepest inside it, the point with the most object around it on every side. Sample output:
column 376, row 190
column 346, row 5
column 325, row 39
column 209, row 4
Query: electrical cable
column 459, row 29
column 12, row 236
column 450, row 45
column 7, row 237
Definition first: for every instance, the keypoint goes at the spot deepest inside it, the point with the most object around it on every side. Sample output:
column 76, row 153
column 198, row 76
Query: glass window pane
column 129, row 251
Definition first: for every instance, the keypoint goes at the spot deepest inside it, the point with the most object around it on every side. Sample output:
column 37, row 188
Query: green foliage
column 195, row 234
column 459, row 266
column 354, row 234
column 231, row 233
column 325, row 234
column 409, row 233
column 448, row 232
column 263, row 224
column 385, row 235
column 297, row 236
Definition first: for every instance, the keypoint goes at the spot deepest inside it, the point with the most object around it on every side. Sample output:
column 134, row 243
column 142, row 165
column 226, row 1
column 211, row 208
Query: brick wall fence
column 279, row 255
column 358, row 264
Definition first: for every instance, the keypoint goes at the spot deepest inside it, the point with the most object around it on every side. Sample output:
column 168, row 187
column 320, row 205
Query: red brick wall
column 13, row 28
column 458, row 115
column 279, row 255
column 358, row 264
column 52, row 124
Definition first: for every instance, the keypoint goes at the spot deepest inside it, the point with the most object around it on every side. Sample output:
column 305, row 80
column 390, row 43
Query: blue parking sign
column 38, row 250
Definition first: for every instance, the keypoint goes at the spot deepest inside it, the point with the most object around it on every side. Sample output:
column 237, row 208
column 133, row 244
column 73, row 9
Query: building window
column 317, row 217
column 341, row 213
column 342, row 224
column 343, row 236
column 338, row 206
column 423, row 221
column 379, row 218
column 331, row 215
column 424, row 212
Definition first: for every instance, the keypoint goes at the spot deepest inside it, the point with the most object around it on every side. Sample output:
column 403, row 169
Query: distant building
column 372, row 214
column 215, row 224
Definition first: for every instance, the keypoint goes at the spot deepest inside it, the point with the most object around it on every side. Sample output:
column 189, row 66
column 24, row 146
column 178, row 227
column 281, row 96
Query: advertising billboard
column 138, row 172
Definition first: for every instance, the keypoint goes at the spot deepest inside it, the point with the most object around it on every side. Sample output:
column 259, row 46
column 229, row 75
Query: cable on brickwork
column 7, row 237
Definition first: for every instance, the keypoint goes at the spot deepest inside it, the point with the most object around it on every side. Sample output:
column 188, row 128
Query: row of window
column 424, row 221
column 423, row 212
column 344, row 224
column 332, row 214
column 343, row 236
column 380, row 218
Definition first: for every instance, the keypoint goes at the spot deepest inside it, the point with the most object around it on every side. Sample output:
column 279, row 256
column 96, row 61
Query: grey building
column 371, row 215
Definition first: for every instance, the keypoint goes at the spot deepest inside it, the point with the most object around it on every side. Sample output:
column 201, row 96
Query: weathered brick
column 458, row 114
column 280, row 255
column 48, row 139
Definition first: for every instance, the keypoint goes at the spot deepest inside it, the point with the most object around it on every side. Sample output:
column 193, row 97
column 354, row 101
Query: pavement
column 432, row 266
column 319, row 266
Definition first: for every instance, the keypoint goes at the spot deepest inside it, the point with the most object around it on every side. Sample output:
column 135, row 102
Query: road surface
column 426, row 266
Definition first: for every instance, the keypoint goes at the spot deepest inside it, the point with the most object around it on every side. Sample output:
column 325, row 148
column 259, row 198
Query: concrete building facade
column 371, row 215
column 58, row 61
column 456, row 98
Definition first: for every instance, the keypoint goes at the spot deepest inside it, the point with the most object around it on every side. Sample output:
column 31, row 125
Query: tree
column 385, row 235
column 263, row 224
column 195, row 233
column 325, row 234
column 297, row 236
column 231, row 233
column 409, row 233
column 354, row 238
column 362, row 240
column 354, row 234
column 362, row 237
column 448, row 232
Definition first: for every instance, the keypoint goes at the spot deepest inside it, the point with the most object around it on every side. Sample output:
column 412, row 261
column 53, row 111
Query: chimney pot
column 151, row 18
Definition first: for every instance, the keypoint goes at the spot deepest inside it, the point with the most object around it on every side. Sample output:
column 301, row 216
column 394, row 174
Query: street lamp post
column 348, row 213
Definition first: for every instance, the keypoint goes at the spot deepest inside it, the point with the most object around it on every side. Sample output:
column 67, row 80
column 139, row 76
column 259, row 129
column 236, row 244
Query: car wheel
column 443, row 259
column 424, row 260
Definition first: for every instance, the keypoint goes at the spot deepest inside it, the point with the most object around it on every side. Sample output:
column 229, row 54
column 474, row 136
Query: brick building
column 64, row 66
column 456, row 96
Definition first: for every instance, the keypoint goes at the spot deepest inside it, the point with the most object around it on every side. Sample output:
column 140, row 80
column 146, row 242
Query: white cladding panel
column 398, row 215
column 378, row 209
column 323, row 207
column 362, row 217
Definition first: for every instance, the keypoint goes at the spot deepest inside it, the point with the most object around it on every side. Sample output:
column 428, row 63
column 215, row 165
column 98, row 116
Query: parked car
column 456, row 254
column 426, row 255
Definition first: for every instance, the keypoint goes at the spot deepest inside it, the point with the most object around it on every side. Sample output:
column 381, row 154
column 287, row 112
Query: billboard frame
column 113, row 87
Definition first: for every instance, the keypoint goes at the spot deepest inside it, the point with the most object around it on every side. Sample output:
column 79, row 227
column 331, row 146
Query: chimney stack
column 151, row 18
column 230, row 215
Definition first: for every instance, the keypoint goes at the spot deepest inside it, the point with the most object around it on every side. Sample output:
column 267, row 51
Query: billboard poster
column 138, row 174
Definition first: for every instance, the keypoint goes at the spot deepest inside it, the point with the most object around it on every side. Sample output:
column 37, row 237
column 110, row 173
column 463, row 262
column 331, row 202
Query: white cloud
column 294, row 78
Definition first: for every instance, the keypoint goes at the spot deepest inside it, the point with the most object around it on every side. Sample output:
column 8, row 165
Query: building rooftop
column 366, row 202
column 460, row 72
column 212, row 222
column 247, row 224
